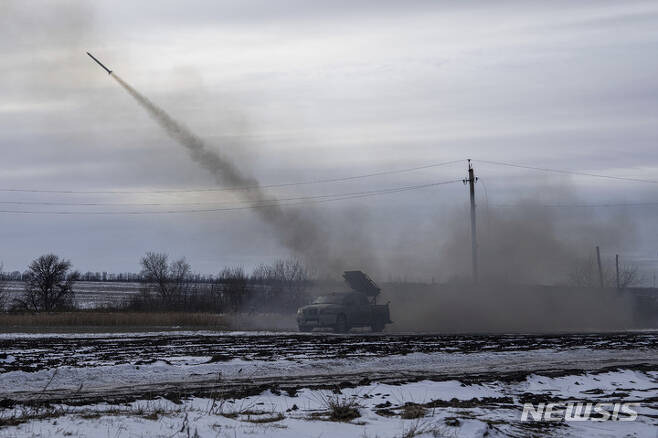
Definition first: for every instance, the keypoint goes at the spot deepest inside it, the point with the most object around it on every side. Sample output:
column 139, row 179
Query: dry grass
column 412, row 411
column 425, row 428
column 149, row 411
column 339, row 408
column 118, row 320
column 26, row 414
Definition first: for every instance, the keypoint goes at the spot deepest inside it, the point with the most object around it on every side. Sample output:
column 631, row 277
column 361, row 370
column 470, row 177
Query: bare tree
column 49, row 284
column 179, row 277
column 628, row 276
column 586, row 274
column 288, row 279
column 233, row 281
column 170, row 280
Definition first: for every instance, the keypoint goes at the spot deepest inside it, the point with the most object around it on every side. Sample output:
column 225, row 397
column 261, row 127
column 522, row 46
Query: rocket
column 100, row 63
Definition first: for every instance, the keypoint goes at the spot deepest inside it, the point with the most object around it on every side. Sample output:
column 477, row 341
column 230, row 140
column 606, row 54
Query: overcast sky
column 305, row 90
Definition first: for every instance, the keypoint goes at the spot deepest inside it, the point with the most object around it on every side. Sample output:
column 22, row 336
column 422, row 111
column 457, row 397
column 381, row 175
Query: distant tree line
column 121, row 277
column 171, row 285
column 167, row 285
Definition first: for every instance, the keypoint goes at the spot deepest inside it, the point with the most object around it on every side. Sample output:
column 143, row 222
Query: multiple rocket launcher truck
column 341, row 311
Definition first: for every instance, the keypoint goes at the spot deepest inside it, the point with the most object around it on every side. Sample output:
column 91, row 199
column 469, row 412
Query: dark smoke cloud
column 500, row 307
column 527, row 242
column 528, row 254
column 294, row 230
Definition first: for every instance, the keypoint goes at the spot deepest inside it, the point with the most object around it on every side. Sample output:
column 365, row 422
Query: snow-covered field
column 90, row 294
column 284, row 384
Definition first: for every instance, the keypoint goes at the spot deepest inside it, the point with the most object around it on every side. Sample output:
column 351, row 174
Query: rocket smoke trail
column 297, row 233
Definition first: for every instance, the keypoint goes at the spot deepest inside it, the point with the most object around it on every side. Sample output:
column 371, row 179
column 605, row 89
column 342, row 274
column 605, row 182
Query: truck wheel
column 305, row 329
column 377, row 326
column 341, row 324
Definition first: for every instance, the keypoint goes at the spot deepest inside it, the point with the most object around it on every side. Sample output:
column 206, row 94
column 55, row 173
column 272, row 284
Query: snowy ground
column 266, row 384
column 89, row 294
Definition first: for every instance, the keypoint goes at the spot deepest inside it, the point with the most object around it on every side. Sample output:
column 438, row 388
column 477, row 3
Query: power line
column 604, row 205
column 223, row 189
column 570, row 172
column 607, row 204
column 166, row 204
column 302, row 200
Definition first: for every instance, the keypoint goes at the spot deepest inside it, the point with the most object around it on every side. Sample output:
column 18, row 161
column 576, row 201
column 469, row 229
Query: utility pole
column 472, row 179
column 598, row 261
column 617, row 267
